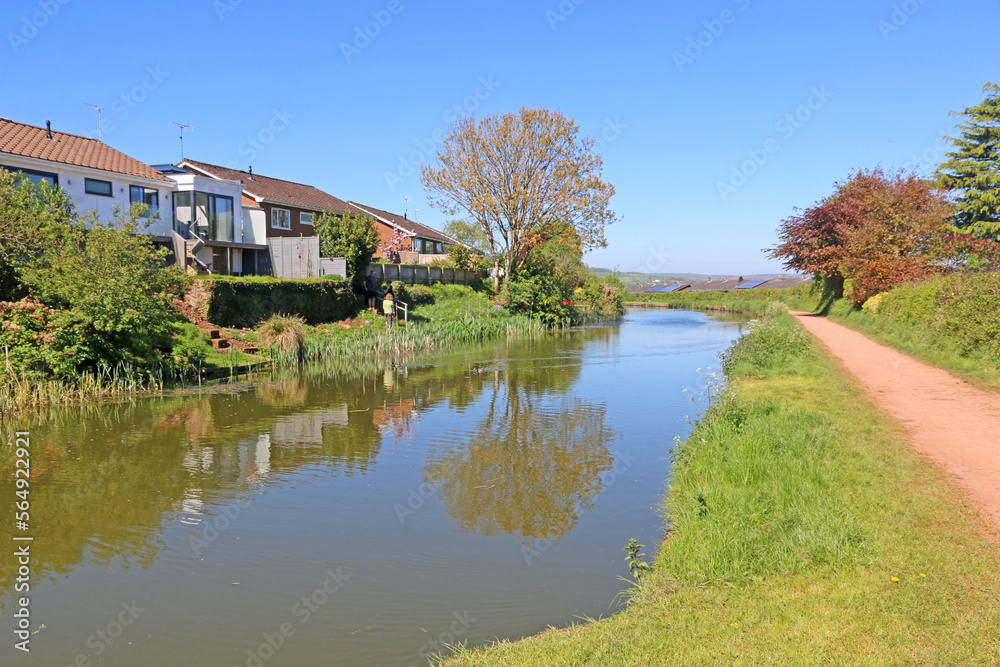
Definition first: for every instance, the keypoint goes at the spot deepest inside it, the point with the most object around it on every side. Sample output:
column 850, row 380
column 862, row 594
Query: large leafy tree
column 511, row 173
column 876, row 228
column 468, row 233
column 350, row 235
column 972, row 170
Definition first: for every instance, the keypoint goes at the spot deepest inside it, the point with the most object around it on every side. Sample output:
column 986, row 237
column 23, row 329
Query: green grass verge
column 805, row 531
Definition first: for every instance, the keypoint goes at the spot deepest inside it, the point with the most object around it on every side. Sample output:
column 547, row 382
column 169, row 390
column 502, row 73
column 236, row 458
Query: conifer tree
column 972, row 170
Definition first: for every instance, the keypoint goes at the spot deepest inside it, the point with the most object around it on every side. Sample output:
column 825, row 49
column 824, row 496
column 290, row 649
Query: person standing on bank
column 389, row 308
column 370, row 289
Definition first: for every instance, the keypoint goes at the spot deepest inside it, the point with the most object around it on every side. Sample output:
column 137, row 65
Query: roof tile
column 273, row 190
column 30, row 141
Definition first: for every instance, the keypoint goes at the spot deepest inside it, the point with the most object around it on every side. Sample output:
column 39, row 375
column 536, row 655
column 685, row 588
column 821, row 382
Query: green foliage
column 637, row 567
column 420, row 295
column 966, row 253
column 349, row 235
column 106, row 281
column 540, row 296
column 776, row 341
column 468, row 233
column 972, row 170
column 462, row 257
column 109, row 281
column 191, row 343
column 543, row 286
column 246, row 303
column 31, row 217
column 872, row 305
column 32, row 342
column 605, row 295
column 961, row 312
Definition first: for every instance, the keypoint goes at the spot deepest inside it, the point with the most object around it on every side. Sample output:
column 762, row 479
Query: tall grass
column 22, row 391
column 373, row 342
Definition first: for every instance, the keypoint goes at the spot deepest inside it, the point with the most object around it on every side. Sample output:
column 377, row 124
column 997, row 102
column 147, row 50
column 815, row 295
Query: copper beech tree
column 876, row 228
column 512, row 173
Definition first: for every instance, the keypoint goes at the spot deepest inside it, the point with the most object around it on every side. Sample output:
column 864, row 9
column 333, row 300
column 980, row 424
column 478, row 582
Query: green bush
column 605, row 295
column 959, row 311
column 421, row 295
column 247, row 303
column 767, row 344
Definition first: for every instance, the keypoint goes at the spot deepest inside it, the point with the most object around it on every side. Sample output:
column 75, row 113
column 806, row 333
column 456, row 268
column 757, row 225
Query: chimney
column 48, row 129
column 404, row 215
column 251, row 172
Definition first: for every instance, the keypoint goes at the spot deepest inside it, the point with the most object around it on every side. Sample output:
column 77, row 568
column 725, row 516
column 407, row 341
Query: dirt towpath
column 948, row 419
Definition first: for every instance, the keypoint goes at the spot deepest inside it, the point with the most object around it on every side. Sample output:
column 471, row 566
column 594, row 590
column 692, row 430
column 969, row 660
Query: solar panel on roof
column 658, row 288
column 750, row 284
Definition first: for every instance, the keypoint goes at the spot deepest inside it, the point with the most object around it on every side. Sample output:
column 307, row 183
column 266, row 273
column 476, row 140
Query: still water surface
column 329, row 520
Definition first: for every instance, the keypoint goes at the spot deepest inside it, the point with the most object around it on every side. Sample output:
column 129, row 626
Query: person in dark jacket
column 370, row 289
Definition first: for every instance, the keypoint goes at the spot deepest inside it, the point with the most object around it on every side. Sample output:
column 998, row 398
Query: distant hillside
column 634, row 278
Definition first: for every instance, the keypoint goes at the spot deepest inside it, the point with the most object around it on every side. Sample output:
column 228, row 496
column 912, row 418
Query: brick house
column 427, row 243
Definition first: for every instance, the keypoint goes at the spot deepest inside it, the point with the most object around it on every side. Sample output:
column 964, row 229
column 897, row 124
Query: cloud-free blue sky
column 715, row 119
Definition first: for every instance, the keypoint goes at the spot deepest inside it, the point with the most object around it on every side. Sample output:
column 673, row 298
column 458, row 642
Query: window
column 212, row 215
column 306, row 218
column 148, row 196
column 36, row 177
column 418, row 245
column 438, row 249
column 281, row 218
column 92, row 186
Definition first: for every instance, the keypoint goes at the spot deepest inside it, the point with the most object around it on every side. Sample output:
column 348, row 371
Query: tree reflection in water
column 532, row 464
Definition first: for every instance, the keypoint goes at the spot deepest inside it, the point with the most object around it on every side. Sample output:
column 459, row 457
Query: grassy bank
column 442, row 315
column 804, row 531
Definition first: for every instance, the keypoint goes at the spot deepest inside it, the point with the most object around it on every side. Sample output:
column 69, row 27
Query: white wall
column 71, row 179
column 233, row 189
column 254, row 226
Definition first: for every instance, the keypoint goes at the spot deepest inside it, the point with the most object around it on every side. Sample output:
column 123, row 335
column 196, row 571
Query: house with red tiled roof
column 94, row 175
column 279, row 207
column 426, row 242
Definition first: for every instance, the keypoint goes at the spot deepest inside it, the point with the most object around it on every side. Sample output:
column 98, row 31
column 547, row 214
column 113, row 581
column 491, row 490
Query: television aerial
column 183, row 126
column 100, row 124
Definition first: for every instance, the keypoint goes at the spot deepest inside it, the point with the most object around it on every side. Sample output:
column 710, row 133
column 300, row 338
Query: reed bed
column 400, row 341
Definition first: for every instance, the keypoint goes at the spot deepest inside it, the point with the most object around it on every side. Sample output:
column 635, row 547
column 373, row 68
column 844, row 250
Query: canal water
column 362, row 519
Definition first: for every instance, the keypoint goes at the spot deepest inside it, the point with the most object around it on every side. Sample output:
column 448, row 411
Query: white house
column 206, row 213
column 95, row 175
